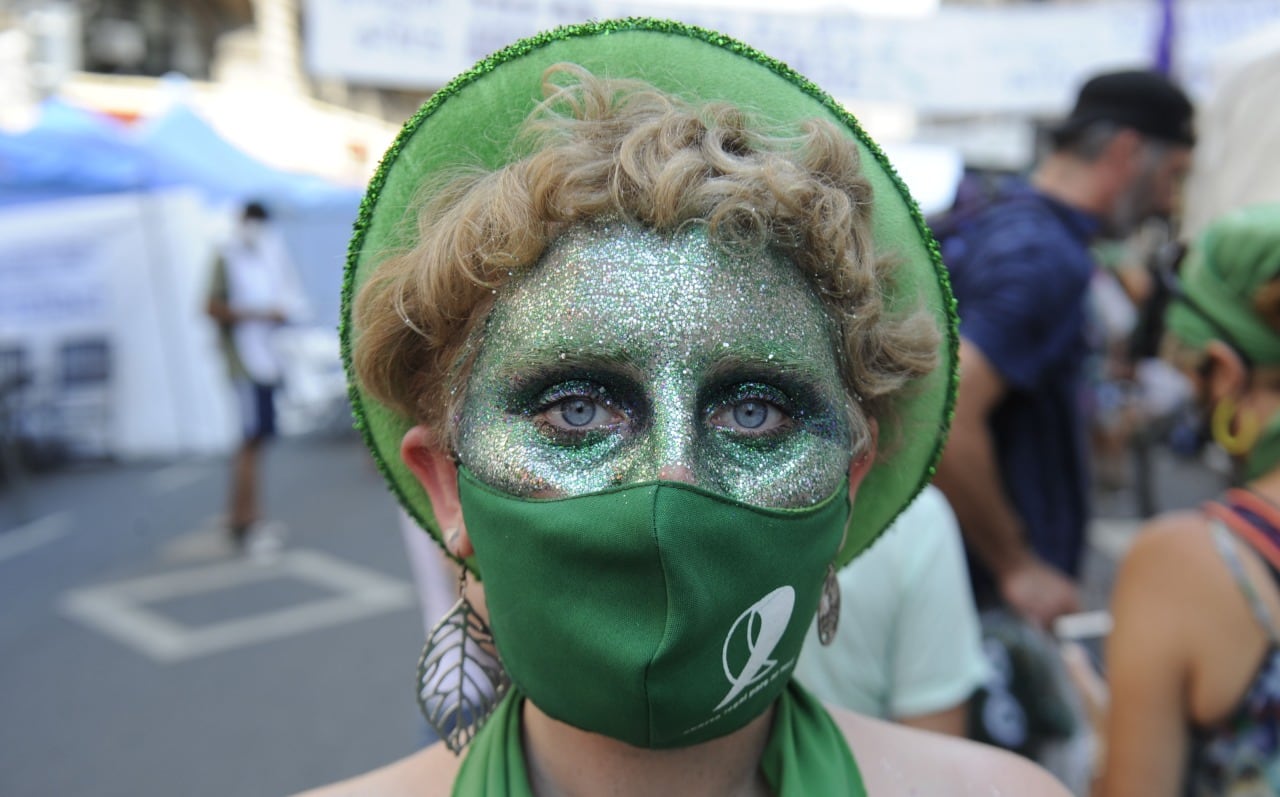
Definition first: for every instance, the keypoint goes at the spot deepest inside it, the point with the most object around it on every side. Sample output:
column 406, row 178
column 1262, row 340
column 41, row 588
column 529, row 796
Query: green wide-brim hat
column 472, row 122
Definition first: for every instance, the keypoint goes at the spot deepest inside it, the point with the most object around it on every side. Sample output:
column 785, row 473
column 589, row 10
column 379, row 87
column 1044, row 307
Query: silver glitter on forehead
column 667, row 331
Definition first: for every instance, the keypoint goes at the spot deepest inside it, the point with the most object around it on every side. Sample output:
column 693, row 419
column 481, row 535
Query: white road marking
column 43, row 531
column 120, row 610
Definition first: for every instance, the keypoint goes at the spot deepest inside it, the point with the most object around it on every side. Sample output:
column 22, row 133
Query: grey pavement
column 139, row 656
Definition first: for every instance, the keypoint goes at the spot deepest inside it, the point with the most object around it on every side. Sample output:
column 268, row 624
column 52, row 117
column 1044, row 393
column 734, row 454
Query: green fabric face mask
column 658, row 614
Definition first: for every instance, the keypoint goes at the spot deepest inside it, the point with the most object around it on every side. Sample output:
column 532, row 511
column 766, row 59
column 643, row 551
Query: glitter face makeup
column 628, row 356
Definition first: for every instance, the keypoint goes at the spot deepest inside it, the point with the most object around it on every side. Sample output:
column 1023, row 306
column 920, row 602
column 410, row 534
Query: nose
column 676, row 472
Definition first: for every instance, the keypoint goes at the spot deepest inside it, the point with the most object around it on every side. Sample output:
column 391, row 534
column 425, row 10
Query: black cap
column 1143, row 100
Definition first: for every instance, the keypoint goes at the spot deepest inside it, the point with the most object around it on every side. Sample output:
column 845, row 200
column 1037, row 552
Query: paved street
column 139, row 658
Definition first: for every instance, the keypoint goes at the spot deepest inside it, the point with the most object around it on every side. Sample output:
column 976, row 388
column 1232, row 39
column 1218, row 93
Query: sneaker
column 264, row 541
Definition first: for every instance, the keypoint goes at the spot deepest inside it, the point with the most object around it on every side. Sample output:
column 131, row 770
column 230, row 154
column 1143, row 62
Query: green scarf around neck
column 806, row 753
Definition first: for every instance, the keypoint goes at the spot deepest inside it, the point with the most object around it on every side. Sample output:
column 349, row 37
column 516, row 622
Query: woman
column 635, row 369
column 1193, row 660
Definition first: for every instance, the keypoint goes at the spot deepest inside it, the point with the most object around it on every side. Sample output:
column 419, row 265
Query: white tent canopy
column 107, row 237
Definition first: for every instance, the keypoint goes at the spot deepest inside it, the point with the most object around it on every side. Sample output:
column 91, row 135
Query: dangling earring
column 829, row 607
column 460, row 678
column 1240, row 442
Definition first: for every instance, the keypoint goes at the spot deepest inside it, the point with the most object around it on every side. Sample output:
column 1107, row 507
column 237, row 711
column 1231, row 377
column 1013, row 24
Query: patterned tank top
column 1239, row 756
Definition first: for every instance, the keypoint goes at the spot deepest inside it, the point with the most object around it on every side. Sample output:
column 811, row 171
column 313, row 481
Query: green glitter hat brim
column 472, row 121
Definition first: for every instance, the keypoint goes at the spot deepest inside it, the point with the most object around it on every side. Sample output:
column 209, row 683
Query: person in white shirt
column 254, row 290
column 909, row 648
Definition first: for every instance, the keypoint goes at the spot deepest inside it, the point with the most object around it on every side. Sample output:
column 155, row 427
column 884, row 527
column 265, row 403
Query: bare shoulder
column 1168, row 549
column 1168, row 531
column 427, row 773
column 896, row 760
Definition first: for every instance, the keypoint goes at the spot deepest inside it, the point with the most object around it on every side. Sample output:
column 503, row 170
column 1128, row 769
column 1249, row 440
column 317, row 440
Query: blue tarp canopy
column 186, row 150
column 71, row 152
column 74, row 152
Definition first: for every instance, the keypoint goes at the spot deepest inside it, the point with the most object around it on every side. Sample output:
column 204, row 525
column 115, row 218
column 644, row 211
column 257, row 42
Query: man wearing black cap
column 1015, row 468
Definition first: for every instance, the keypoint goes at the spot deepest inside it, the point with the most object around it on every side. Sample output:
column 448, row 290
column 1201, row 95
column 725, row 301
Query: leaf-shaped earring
column 829, row 607
column 460, row 678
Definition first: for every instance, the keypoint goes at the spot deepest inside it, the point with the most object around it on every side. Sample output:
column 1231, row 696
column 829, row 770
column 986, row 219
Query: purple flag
column 1164, row 39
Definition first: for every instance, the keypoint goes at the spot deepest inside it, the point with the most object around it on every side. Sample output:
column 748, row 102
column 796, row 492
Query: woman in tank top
column 1193, row 661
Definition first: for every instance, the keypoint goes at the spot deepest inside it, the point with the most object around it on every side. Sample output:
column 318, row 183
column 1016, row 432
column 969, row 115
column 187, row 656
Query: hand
column 1039, row 592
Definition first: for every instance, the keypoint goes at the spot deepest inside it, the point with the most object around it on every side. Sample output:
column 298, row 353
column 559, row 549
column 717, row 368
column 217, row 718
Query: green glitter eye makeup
column 628, row 353
column 754, row 411
column 570, row 411
column 577, row 412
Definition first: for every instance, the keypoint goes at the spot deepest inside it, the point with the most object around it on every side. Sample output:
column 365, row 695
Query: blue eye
column 570, row 410
column 754, row 412
column 577, row 412
column 750, row 414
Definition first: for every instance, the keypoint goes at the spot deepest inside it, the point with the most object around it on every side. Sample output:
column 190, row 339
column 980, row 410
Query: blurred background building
column 131, row 130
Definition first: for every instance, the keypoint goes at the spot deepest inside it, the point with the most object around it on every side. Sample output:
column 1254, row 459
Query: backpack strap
column 1267, row 545
column 961, row 216
column 1264, row 509
column 1226, row 545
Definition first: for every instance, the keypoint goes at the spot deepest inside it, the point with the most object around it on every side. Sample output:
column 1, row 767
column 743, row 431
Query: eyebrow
column 791, row 366
column 799, row 370
column 553, row 362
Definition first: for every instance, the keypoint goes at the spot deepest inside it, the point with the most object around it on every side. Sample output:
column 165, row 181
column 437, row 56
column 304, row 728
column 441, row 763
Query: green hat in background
column 473, row 121
column 1234, row 257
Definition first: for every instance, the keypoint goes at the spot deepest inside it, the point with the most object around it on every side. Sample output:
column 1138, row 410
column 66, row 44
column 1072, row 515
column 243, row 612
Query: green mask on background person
column 666, row 615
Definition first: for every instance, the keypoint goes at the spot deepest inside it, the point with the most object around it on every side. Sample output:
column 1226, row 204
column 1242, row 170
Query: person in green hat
column 648, row 335
column 1193, row 659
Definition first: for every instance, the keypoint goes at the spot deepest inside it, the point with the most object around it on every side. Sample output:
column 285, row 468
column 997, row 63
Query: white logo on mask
column 763, row 626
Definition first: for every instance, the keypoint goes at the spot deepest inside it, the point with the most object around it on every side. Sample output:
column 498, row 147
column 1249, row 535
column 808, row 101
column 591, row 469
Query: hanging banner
column 1023, row 59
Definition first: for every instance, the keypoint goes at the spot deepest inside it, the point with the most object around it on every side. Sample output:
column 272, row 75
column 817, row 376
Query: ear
column 1119, row 159
column 1125, row 146
column 438, row 475
column 1225, row 374
column 861, row 464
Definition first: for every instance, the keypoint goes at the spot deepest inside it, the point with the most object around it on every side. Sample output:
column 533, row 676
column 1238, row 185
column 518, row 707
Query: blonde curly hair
column 597, row 148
